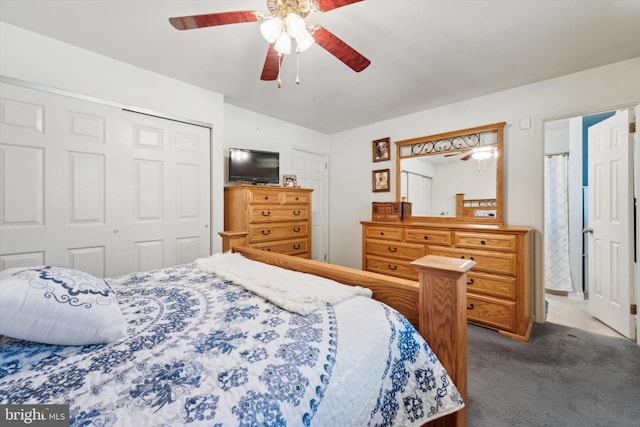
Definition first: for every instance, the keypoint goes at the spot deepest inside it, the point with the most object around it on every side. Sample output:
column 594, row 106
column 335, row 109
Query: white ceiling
column 423, row 53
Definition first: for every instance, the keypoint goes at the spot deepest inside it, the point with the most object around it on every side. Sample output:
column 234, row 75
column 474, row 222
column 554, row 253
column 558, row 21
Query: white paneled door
column 79, row 181
column 311, row 170
column 610, row 230
column 168, row 191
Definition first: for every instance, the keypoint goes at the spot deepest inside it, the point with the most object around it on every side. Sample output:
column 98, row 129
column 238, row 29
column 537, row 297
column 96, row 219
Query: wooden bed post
column 442, row 319
column 233, row 239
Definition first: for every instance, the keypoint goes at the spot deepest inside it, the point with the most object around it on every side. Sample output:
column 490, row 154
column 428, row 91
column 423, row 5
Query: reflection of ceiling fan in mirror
column 285, row 24
column 465, row 154
column 477, row 153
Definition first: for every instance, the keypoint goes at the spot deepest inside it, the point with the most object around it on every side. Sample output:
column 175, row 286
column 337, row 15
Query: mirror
column 453, row 176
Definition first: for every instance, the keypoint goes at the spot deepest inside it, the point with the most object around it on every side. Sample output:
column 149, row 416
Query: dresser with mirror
column 454, row 183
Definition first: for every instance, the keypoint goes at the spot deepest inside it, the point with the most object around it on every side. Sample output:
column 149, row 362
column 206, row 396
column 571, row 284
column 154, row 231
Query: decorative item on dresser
column 498, row 287
column 275, row 219
column 390, row 211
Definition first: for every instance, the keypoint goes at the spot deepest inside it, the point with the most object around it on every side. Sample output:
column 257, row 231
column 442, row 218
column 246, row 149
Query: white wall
column 28, row 56
column 603, row 88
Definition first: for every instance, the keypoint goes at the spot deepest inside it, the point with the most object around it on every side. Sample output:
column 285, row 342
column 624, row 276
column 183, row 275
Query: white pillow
column 58, row 305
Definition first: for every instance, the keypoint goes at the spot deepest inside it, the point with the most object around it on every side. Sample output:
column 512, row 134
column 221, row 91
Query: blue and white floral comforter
column 204, row 351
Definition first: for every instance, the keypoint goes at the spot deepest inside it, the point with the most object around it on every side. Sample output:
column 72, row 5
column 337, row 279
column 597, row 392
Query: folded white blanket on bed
column 291, row 290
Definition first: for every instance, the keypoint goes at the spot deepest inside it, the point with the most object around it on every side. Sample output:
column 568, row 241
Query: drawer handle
column 382, row 233
column 470, row 281
column 390, row 249
column 471, row 258
column 267, row 213
column 470, row 306
column 266, row 197
column 297, row 198
column 296, row 246
column 266, row 232
column 297, row 212
column 426, row 237
column 482, row 242
column 392, row 267
column 296, row 229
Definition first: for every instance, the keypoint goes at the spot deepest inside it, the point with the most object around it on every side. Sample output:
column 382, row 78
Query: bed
column 475, row 207
column 200, row 348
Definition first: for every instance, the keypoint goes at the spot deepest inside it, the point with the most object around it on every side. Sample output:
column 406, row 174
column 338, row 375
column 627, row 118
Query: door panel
column 170, row 182
column 610, row 247
column 79, row 189
column 311, row 172
column 58, row 154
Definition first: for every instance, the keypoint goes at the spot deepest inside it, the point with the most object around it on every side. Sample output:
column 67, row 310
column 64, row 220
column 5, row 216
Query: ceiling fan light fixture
column 272, row 29
column 304, row 41
column 283, row 43
column 483, row 153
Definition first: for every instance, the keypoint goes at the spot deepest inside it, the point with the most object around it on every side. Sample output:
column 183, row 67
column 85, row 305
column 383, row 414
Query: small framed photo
column 289, row 181
column 381, row 149
column 380, row 180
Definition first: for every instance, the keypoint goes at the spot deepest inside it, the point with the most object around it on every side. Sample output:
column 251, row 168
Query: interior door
column 166, row 185
column 99, row 189
column 58, row 205
column 610, row 228
column 311, row 170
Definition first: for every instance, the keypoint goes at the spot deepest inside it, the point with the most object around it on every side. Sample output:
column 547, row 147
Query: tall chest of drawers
column 498, row 286
column 275, row 218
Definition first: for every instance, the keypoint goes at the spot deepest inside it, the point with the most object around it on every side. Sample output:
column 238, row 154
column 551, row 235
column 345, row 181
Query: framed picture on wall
column 381, row 149
column 380, row 180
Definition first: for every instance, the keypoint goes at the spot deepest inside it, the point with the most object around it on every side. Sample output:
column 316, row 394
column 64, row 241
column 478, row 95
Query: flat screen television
column 253, row 166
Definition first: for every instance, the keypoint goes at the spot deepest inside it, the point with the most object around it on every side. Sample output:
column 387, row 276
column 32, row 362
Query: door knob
column 587, row 230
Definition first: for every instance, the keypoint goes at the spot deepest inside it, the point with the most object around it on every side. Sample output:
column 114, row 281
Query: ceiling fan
column 477, row 153
column 466, row 154
column 286, row 22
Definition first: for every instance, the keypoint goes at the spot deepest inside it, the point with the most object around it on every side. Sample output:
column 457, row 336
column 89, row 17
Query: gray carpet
column 561, row 377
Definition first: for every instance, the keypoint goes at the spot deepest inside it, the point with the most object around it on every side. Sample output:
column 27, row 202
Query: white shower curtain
column 556, row 223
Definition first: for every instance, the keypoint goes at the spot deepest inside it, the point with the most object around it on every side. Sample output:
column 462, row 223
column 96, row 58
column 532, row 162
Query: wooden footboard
column 435, row 305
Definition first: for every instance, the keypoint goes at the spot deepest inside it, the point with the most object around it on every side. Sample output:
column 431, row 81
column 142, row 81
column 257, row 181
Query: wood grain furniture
column 276, row 219
column 435, row 304
column 499, row 286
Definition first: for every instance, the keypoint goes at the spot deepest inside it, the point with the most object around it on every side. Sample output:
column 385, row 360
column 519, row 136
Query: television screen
column 260, row 167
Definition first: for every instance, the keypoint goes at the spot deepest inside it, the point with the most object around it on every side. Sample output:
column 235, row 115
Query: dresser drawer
column 386, row 233
column 490, row 262
column 394, row 249
column 498, row 242
column 272, row 213
column 492, row 312
column 265, row 197
column 289, row 247
column 277, row 231
column 295, row 198
column 430, row 237
column 392, row 267
column 492, row 285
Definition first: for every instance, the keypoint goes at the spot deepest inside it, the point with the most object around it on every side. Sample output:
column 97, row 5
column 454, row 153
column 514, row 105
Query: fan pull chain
column 297, row 66
column 279, row 62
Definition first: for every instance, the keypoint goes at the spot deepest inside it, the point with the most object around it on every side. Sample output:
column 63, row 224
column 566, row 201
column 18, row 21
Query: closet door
column 99, row 189
column 166, row 184
column 57, row 202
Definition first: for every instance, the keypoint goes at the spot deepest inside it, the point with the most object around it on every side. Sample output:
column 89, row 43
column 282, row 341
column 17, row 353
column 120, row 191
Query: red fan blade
column 326, row 5
column 339, row 49
column 271, row 67
column 211, row 19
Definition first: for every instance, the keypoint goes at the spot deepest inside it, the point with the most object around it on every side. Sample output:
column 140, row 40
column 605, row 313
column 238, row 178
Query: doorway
column 566, row 215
